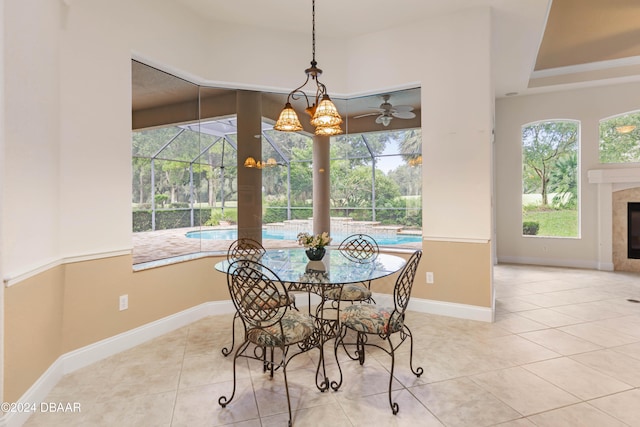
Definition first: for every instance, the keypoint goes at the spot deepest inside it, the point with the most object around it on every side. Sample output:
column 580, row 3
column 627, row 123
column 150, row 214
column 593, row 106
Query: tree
column 564, row 182
column 543, row 144
column 408, row 178
column 411, row 144
column 619, row 139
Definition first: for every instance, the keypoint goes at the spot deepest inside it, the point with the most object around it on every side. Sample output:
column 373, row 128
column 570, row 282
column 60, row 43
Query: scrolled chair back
column 245, row 248
column 360, row 248
column 257, row 293
column 404, row 283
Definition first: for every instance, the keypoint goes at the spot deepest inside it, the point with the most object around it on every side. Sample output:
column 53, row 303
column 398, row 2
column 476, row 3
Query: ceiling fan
column 386, row 112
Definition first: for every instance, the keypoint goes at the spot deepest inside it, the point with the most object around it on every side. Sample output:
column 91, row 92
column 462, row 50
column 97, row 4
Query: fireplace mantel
column 610, row 180
column 614, row 176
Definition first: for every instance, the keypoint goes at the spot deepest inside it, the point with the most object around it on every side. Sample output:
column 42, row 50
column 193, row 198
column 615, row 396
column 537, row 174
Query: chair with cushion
column 359, row 248
column 245, row 249
column 269, row 325
column 385, row 322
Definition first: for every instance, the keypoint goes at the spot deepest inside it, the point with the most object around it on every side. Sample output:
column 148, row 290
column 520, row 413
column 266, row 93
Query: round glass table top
column 292, row 265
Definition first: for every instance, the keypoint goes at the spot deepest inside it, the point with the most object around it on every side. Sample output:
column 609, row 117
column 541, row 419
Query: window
column 550, row 187
column 377, row 177
column 185, row 168
column 620, row 138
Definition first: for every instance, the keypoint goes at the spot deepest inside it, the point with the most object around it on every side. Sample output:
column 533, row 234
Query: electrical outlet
column 124, row 302
column 429, row 277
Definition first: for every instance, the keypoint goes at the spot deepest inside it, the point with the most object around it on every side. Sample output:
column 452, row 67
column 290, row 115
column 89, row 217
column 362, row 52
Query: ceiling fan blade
column 404, row 114
column 365, row 115
column 403, row 108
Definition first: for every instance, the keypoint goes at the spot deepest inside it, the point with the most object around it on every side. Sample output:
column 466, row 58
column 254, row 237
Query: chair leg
column 419, row 371
column 286, row 383
column 226, row 351
column 360, row 342
column 223, row 400
column 394, row 406
column 339, row 341
column 271, row 372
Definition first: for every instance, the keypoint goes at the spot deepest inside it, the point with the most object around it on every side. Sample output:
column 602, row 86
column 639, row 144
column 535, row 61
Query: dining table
column 315, row 278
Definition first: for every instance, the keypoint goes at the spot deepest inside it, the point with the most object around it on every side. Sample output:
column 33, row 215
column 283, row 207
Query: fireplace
column 617, row 187
column 633, row 230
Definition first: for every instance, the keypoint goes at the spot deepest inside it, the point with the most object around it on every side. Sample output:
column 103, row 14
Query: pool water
column 232, row 234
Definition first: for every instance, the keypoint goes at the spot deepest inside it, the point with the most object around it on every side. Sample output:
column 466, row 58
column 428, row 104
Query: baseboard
column 442, row 308
column 605, row 266
column 551, row 262
column 95, row 352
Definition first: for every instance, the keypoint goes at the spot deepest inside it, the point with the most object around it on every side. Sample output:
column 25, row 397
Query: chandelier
column 324, row 114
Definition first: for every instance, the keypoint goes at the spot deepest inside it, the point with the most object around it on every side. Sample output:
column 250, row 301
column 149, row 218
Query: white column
column 605, row 227
column 321, row 185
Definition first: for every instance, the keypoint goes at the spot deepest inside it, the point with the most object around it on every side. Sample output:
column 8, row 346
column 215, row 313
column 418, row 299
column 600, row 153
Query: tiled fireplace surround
column 616, row 187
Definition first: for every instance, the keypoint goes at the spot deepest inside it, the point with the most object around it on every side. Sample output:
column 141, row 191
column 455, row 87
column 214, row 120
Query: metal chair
column 360, row 248
column 385, row 322
column 257, row 294
column 245, row 249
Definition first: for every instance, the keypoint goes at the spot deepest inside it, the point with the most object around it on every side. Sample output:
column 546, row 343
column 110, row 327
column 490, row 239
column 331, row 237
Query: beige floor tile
column 509, row 290
column 560, row 342
column 513, row 304
column 598, row 334
column 198, row 406
column 375, row 410
column 579, row 380
column 520, row 422
column 540, row 300
column 523, row 391
column 201, row 370
column 624, row 406
column 549, row 317
column 515, row 323
column 554, row 285
column 151, row 409
column 582, row 414
column 461, row 402
column 591, row 311
column 632, row 350
column 617, row 365
column 514, row 350
column 329, row 415
column 364, row 380
column 628, row 325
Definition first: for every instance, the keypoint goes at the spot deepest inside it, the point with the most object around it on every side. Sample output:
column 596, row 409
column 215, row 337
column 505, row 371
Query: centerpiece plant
column 314, row 244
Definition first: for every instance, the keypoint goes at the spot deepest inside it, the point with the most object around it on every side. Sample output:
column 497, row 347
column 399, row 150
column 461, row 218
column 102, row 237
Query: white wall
column 2, row 148
column 588, row 106
column 450, row 58
column 31, row 203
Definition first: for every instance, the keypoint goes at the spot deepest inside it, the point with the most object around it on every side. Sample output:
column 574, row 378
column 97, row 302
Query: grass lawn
column 554, row 223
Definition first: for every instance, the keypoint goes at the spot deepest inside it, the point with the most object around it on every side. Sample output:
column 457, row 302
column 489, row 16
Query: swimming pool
column 232, row 234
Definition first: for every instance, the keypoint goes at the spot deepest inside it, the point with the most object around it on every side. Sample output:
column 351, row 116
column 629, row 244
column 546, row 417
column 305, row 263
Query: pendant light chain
column 313, row 32
column 324, row 114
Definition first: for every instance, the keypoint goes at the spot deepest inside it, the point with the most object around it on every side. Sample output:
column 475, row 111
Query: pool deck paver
column 162, row 244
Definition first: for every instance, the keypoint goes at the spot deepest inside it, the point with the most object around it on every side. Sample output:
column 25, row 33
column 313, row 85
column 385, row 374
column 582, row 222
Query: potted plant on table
column 314, row 244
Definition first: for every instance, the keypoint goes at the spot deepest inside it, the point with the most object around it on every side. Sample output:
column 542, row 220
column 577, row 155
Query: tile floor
column 564, row 351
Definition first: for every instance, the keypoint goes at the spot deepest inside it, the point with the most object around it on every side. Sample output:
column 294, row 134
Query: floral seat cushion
column 296, row 327
column 370, row 319
column 350, row 292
